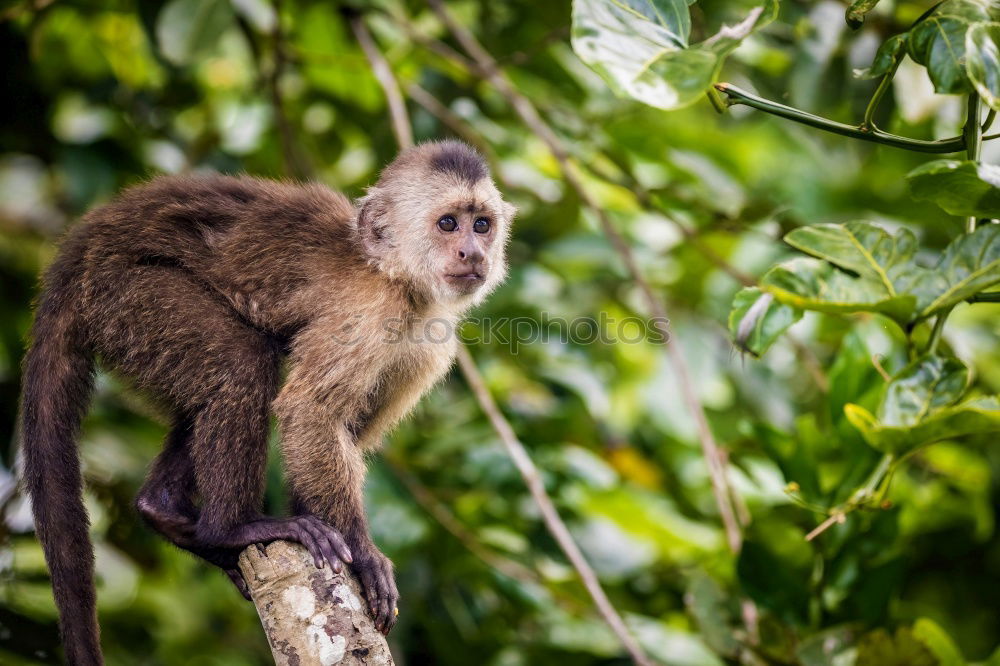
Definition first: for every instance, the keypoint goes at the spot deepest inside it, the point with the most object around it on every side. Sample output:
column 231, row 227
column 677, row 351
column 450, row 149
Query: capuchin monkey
column 197, row 288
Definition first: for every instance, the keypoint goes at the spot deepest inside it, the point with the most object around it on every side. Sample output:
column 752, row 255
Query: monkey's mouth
column 467, row 281
column 471, row 276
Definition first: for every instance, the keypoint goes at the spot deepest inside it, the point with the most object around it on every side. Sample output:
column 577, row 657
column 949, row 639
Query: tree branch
column 394, row 99
column 735, row 96
column 312, row 617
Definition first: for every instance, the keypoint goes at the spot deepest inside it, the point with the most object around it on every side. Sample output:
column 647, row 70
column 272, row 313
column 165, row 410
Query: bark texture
column 312, row 617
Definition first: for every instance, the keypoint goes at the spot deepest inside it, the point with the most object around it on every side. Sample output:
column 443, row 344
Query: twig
column 397, row 107
column 837, row 518
column 294, row 162
column 737, row 96
column 508, row 567
column 550, row 515
column 529, row 473
column 529, row 115
column 452, row 120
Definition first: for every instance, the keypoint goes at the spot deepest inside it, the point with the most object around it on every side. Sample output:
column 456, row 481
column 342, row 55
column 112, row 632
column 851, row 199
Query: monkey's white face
column 446, row 236
column 468, row 234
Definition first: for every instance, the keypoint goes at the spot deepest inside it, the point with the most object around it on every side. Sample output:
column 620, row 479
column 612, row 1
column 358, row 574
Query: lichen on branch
column 312, row 617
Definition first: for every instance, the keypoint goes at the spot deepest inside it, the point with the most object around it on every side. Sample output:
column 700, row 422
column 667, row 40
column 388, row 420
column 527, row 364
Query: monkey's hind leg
column 229, row 451
column 166, row 502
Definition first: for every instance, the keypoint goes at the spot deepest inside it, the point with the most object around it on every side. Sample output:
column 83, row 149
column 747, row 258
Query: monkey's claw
column 239, row 582
column 376, row 574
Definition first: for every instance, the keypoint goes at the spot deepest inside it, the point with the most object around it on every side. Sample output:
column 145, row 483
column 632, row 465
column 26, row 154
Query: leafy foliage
column 866, row 269
column 956, row 41
column 642, row 49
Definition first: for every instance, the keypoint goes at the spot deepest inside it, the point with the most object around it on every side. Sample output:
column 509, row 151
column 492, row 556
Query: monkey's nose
column 470, row 255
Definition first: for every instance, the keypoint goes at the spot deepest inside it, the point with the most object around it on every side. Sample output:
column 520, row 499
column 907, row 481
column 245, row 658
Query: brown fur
column 196, row 288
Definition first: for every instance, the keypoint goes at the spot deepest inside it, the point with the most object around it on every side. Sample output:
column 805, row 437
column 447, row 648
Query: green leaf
column 938, row 43
column 855, row 16
column 188, row 29
column 918, row 408
column 972, row 417
column 969, row 264
column 640, row 47
column 811, row 284
column 982, row 63
column 861, row 247
column 757, row 320
column 925, row 385
column 886, row 58
column 879, row 648
column 959, row 187
column 938, row 641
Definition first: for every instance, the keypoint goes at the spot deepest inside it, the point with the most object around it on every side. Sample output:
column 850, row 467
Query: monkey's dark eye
column 447, row 223
column 481, row 225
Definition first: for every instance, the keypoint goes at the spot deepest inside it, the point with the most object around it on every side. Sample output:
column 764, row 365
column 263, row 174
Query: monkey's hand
column 376, row 574
column 323, row 542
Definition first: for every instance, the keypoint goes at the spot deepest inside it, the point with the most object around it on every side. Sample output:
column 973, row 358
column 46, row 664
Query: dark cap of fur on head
column 460, row 160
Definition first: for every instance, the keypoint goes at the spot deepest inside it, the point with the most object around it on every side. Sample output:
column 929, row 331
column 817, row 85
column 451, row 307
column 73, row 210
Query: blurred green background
column 100, row 95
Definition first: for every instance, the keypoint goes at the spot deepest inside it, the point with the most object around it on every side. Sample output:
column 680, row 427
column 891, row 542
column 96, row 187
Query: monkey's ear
column 373, row 221
column 509, row 211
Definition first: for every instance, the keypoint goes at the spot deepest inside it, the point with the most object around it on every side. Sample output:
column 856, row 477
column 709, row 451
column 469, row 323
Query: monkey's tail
column 58, row 379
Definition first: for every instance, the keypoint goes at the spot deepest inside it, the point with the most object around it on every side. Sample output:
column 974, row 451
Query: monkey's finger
column 388, row 599
column 303, row 536
column 340, row 544
column 336, row 539
column 322, row 539
column 369, row 581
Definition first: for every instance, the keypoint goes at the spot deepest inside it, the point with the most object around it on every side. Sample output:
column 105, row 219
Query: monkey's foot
column 375, row 571
column 323, row 542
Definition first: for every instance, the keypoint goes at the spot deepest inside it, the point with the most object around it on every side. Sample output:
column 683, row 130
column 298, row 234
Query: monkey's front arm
column 324, row 466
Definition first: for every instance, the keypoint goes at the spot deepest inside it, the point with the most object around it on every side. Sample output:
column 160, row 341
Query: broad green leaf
column 620, row 40
column 864, row 248
column 811, row 284
column 959, row 187
column 938, row 43
column 757, row 320
column 640, row 47
column 879, row 648
column 972, row 417
column 925, row 385
column 187, row 29
column 938, row 641
column 856, row 12
column 886, row 58
column 970, row 264
column 982, row 62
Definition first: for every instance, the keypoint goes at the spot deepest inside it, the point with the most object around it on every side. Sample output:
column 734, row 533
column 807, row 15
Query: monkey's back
column 255, row 242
